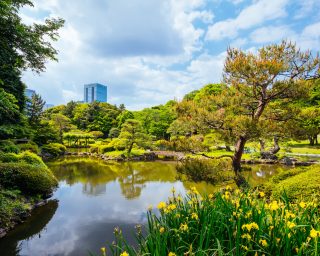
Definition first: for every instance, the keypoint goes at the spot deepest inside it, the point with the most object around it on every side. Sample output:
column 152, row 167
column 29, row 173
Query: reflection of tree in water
column 34, row 226
column 92, row 173
column 94, row 190
column 131, row 183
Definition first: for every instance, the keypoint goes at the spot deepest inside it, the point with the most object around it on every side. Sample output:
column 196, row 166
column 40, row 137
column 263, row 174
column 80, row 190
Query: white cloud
column 271, row 34
column 310, row 37
column 253, row 15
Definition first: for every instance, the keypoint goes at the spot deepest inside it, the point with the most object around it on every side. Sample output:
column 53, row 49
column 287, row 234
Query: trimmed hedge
column 31, row 146
column 30, row 179
column 53, row 149
column 24, row 157
column 304, row 185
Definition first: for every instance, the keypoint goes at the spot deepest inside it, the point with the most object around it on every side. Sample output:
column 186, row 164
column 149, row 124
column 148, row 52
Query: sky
column 150, row 51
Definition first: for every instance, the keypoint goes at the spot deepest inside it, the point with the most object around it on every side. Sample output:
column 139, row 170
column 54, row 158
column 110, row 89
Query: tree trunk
column 276, row 146
column 316, row 139
column 262, row 145
column 311, row 140
column 130, row 148
column 238, row 151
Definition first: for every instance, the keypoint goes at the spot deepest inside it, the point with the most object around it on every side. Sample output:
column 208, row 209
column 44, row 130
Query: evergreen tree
column 34, row 110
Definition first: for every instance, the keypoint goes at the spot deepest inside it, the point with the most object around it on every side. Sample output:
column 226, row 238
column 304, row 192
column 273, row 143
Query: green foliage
column 212, row 171
column 227, row 223
column 9, row 146
column 23, row 157
column 34, row 110
column 23, row 46
column 30, row 146
column 114, row 133
column 156, row 120
column 301, row 184
column 30, row 179
column 96, row 134
column 132, row 133
column 9, row 110
column 11, row 205
column 53, row 149
column 45, row 133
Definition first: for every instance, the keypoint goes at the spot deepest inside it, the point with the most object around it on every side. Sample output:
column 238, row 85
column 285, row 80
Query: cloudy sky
column 151, row 51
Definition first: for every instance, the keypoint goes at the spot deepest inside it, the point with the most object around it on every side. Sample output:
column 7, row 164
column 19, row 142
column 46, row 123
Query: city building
column 95, row 92
column 29, row 93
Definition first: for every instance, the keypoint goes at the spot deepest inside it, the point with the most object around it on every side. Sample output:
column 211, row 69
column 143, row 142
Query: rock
column 3, row 232
column 287, row 161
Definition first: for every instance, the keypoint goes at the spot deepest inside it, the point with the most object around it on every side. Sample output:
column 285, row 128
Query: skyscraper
column 95, row 92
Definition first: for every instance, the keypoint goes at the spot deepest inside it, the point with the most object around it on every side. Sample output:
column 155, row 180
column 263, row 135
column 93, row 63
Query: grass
column 227, row 223
column 300, row 183
column 118, row 153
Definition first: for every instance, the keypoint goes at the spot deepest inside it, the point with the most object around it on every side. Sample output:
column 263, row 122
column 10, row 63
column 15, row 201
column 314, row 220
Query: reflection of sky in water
column 101, row 197
column 87, row 214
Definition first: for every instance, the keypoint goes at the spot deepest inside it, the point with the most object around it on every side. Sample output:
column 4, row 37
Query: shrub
column 24, row 157
column 29, row 179
column 304, row 185
column 53, row 149
column 31, row 146
column 205, row 170
column 107, row 148
column 10, row 206
column 31, row 158
column 8, row 157
column 8, row 146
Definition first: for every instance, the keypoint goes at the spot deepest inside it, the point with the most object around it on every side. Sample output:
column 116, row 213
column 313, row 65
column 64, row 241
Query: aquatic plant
column 231, row 222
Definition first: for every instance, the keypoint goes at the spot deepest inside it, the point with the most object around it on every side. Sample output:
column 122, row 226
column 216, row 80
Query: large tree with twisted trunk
column 258, row 95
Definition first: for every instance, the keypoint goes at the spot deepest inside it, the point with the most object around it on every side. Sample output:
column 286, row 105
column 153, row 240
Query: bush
column 8, row 146
column 24, row 157
column 29, row 179
column 31, row 146
column 212, row 171
column 303, row 185
column 53, row 149
column 107, row 148
column 11, row 205
column 8, row 157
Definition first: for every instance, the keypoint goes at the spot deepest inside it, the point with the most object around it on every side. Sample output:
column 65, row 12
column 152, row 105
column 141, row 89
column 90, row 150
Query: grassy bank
column 24, row 181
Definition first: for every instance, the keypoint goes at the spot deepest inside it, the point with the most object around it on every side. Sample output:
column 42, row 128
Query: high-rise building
column 95, row 92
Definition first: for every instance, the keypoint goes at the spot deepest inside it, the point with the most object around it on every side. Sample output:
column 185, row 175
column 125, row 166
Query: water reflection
column 94, row 197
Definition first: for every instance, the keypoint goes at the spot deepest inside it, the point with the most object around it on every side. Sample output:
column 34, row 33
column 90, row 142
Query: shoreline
column 179, row 156
column 21, row 217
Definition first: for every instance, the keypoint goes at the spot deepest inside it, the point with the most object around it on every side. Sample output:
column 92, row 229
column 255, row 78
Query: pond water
column 94, row 197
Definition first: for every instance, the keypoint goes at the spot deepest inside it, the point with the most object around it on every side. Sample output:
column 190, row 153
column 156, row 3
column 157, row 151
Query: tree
column 35, row 109
column 275, row 73
column 23, row 46
column 114, row 133
column 132, row 133
column 124, row 115
column 9, row 110
column 309, row 120
column 259, row 88
column 61, row 123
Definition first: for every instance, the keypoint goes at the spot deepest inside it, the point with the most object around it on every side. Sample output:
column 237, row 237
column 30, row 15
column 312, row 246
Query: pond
column 94, row 197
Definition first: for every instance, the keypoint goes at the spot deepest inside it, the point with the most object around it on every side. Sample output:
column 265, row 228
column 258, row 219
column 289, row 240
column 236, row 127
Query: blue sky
column 151, row 51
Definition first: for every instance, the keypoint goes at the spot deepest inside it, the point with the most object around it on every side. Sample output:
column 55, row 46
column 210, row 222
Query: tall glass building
column 95, row 92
